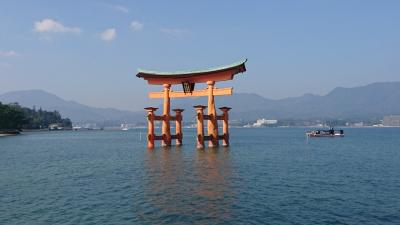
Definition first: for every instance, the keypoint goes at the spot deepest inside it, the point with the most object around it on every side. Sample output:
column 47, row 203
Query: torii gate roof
column 221, row 73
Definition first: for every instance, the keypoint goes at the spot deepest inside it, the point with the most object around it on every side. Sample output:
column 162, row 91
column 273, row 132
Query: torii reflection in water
column 182, row 186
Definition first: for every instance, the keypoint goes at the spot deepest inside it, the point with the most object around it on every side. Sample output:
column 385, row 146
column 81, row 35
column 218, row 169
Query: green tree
column 15, row 117
column 11, row 117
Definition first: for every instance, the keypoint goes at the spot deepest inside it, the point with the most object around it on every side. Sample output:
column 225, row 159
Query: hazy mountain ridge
column 75, row 111
column 369, row 101
column 373, row 100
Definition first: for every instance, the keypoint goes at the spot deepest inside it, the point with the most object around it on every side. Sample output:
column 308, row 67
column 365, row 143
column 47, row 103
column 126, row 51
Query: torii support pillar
column 150, row 131
column 178, row 126
column 225, row 126
column 200, row 125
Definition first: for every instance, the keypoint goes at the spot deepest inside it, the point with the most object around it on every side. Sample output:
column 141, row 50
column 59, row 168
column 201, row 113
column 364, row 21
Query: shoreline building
column 391, row 121
column 262, row 123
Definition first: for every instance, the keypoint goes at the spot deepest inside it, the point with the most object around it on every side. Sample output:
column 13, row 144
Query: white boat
column 124, row 127
column 76, row 128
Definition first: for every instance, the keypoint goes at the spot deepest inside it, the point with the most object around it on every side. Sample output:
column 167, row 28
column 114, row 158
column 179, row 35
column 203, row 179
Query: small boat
column 9, row 133
column 325, row 133
column 76, row 128
column 124, row 127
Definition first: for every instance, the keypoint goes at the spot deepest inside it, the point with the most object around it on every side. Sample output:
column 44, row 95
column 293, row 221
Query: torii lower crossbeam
column 196, row 93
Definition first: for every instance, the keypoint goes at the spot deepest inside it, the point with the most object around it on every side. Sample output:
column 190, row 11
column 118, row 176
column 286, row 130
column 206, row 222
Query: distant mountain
column 371, row 101
column 75, row 111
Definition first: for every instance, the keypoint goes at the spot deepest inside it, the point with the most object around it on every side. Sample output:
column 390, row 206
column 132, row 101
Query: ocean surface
column 267, row 176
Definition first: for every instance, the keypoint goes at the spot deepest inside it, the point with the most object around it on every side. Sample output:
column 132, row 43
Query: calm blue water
column 267, row 176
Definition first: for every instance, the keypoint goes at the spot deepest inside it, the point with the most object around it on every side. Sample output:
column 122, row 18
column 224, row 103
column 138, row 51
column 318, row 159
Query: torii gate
column 188, row 79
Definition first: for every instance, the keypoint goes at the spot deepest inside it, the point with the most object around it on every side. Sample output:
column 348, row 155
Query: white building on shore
column 262, row 123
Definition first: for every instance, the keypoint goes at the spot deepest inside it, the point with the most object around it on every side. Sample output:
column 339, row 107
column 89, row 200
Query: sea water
column 266, row 176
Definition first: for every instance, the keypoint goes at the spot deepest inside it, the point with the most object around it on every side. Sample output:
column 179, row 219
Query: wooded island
column 14, row 118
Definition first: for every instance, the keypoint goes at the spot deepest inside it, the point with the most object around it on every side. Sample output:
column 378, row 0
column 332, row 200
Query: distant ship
column 76, row 128
column 124, row 127
column 325, row 133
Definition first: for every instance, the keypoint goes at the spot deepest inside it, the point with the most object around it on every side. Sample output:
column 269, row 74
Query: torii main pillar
column 212, row 113
column 166, row 128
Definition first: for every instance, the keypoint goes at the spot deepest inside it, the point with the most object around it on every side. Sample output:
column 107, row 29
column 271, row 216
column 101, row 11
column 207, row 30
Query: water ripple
column 267, row 176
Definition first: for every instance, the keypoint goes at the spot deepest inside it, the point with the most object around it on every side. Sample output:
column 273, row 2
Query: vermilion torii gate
column 188, row 79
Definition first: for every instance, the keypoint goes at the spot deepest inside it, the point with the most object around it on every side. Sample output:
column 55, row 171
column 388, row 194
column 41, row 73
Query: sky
column 89, row 51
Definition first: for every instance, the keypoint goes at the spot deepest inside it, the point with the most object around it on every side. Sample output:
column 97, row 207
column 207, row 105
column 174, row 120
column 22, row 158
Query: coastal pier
column 188, row 80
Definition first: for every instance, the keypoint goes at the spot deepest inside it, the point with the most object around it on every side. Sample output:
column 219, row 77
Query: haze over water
column 267, row 176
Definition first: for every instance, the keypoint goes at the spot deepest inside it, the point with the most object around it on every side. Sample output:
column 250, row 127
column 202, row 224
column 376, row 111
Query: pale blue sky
column 89, row 51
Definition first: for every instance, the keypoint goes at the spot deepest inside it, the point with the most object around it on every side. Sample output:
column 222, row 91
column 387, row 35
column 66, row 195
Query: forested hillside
column 15, row 117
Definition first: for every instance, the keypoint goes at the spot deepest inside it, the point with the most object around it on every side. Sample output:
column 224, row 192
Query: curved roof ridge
column 183, row 72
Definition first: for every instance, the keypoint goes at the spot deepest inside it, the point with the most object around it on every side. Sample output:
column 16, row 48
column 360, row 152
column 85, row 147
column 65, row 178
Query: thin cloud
column 117, row 8
column 109, row 34
column 10, row 53
column 175, row 32
column 121, row 8
column 136, row 25
column 53, row 26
